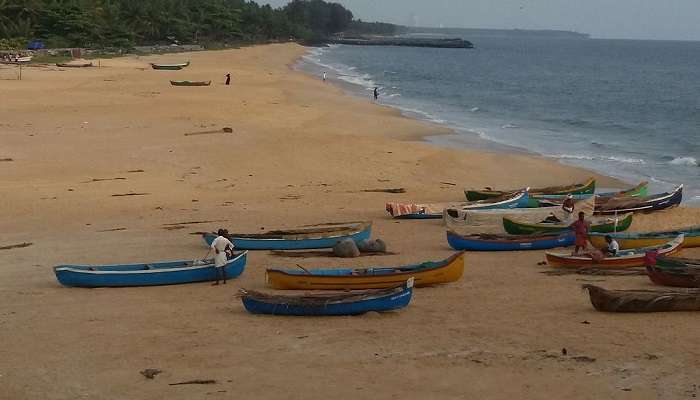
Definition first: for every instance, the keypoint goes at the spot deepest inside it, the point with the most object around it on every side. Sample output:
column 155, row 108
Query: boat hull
column 669, row 277
column 584, row 189
column 243, row 243
column 520, row 228
column 392, row 301
column 459, row 242
column 168, row 273
column 638, row 301
column 446, row 271
column 624, row 259
column 636, row 240
column 643, row 204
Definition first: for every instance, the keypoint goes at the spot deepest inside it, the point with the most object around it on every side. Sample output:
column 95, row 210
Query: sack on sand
column 346, row 249
column 372, row 246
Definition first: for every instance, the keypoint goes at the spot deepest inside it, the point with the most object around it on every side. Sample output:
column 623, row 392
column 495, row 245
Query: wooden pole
column 20, row 71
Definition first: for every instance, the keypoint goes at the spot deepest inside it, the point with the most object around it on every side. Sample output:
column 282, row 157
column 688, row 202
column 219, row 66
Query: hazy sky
column 637, row 19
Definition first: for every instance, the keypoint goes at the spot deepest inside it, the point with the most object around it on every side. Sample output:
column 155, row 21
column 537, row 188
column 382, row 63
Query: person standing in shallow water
column 228, row 79
column 376, row 93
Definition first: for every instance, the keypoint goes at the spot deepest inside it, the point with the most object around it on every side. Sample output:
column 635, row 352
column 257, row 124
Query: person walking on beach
column 581, row 228
column 221, row 246
column 376, row 93
column 325, row 75
column 228, row 79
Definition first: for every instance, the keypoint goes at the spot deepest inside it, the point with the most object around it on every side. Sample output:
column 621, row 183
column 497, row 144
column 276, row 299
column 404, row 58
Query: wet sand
column 104, row 167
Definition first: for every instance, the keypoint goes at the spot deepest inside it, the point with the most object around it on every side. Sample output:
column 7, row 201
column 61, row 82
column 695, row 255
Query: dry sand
column 300, row 152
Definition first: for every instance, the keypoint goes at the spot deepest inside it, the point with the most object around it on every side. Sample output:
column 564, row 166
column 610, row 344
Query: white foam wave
column 510, row 126
column 364, row 80
column 689, row 161
column 625, row 160
column 475, row 109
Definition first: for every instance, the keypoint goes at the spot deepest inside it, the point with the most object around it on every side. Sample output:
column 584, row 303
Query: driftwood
column 130, row 194
column 397, row 190
column 134, row 171
column 16, row 246
column 195, row 382
column 643, row 300
column 6, row 159
column 192, row 222
column 322, row 253
column 112, row 230
column 596, row 271
column 212, row 132
column 105, row 179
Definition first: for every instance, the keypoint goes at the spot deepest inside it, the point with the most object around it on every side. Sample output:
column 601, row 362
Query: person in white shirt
column 613, row 247
column 221, row 246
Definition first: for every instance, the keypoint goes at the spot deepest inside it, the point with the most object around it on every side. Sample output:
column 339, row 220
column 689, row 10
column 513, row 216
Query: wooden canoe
column 486, row 242
column 623, row 259
column 435, row 210
column 648, row 239
column 190, row 83
column 587, row 188
column 674, row 271
column 424, row 274
column 641, row 190
column 634, row 301
column 311, row 237
column 604, row 225
column 170, row 67
column 348, row 303
column 627, row 204
column 151, row 274
column 76, row 65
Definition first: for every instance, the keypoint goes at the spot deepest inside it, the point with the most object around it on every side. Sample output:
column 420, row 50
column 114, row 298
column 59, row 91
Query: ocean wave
column 510, row 126
column 364, row 80
column 625, row 160
column 689, row 161
column 474, row 109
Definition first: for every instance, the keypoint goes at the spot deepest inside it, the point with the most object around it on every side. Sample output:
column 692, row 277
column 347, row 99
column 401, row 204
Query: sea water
column 628, row 109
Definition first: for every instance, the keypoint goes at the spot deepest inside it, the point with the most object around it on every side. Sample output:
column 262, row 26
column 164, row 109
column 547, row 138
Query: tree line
column 126, row 23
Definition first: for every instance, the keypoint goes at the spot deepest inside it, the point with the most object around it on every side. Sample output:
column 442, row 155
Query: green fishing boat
column 190, row 83
column 600, row 225
column 585, row 188
column 170, row 67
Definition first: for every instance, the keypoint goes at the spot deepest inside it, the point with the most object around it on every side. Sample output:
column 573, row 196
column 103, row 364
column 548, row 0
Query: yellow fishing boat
column 427, row 273
column 648, row 239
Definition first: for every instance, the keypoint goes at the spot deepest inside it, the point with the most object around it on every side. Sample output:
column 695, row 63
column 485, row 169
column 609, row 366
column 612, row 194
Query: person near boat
column 223, row 249
column 569, row 205
column 613, row 247
column 581, row 228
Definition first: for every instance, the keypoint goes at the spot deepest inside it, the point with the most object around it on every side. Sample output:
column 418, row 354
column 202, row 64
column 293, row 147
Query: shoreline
column 114, row 165
column 461, row 137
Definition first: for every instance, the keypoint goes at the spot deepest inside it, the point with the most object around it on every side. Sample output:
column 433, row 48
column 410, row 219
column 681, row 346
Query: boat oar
column 305, row 270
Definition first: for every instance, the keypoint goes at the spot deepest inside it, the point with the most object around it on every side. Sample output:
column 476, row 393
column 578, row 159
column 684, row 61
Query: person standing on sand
column 228, row 79
column 581, row 228
column 221, row 246
column 376, row 93
column 325, row 75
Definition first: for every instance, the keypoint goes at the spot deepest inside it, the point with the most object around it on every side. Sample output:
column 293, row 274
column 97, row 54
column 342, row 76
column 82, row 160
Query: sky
column 624, row 19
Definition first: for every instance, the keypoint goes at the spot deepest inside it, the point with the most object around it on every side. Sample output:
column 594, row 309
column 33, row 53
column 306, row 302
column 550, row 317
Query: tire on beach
column 346, row 248
column 372, row 246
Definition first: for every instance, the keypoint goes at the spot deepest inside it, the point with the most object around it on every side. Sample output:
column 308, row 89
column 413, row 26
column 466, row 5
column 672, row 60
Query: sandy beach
column 112, row 164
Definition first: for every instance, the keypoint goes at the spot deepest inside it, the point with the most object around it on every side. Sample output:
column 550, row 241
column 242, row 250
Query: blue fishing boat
column 488, row 242
column 435, row 210
column 310, row 237
column 351, row 303
column 160, row 273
